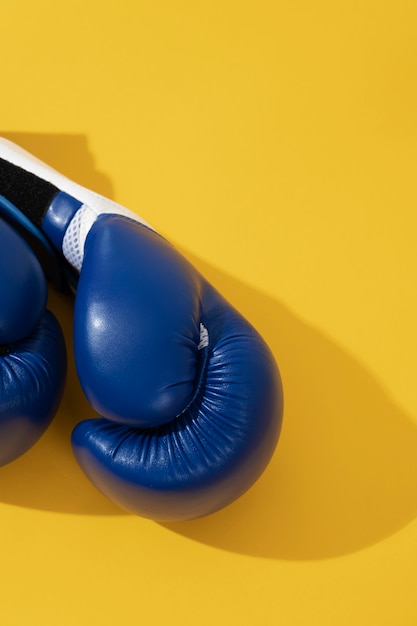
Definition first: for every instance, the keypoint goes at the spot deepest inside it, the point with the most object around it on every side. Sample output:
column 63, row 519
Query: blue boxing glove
column 190, row 394
column 32, row 349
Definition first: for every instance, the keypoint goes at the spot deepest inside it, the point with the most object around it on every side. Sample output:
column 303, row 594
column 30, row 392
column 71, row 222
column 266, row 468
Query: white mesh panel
column 75, row 235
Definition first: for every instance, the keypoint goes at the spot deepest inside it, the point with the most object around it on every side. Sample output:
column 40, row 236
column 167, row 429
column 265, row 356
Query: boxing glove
column 189, row 393
column 32, row 349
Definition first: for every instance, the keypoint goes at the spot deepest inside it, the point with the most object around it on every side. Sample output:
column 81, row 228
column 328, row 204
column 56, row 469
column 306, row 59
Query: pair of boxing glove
column 189, row 393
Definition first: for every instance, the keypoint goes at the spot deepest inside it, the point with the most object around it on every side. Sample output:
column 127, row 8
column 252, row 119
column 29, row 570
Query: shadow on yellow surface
column 344, row 475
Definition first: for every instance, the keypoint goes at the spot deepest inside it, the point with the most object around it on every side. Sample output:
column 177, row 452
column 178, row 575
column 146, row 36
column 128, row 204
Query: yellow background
column 273, row 142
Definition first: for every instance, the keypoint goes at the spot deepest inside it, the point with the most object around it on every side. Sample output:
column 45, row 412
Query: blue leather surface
column 32, row 349
column 32, row 375
column 23, row 287
column 59, row 214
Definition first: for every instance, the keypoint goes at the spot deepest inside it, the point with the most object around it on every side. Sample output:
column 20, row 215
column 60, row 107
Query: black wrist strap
column 30, row 194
